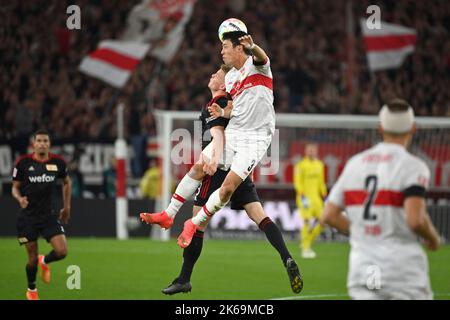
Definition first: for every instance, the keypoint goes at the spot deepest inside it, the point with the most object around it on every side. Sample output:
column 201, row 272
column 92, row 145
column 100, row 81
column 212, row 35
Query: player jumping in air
column 252, row 124
column 245, row 196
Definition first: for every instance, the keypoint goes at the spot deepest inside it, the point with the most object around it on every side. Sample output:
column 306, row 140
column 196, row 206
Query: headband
column 397, row 122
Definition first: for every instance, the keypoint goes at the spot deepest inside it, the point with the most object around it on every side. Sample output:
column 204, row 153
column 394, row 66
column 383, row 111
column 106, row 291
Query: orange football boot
column 185, row 238
column 161, row 218
column 45, row 269
column 32, row 294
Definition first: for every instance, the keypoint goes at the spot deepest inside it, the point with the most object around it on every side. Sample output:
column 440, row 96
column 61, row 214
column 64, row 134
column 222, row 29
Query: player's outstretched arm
column 259, row 55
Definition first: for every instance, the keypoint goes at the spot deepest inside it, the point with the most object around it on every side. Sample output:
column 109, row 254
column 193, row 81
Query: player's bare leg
column 216, row 201
column 59, row 252
column 187, row 186
column 31, row 269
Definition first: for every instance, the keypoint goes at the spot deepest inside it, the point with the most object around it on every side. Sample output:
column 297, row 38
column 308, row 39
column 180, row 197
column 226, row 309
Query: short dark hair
column 41, row 132
column 398, row 105
column 234, row 36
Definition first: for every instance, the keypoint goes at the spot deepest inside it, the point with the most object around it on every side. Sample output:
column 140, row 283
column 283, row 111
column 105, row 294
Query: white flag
column 387, row 48
column 160, row 23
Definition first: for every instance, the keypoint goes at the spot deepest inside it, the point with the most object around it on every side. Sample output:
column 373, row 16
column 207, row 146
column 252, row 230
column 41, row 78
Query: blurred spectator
column 40, row 85
column 138, row 141
column 150, row 184
column 77, row 179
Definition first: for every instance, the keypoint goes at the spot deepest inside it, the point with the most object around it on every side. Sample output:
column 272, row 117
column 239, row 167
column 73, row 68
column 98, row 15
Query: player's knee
column 61, row 253
column 196, row 171
column 226, row 191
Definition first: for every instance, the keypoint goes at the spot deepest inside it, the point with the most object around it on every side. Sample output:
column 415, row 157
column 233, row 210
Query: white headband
column 397, row 122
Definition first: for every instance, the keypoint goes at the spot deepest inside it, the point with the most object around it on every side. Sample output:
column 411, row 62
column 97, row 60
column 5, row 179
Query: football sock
column 213, row 205
column 31, row 276
column 275, row 238
column 51, row 257
column 190, row 256
column 185, row 189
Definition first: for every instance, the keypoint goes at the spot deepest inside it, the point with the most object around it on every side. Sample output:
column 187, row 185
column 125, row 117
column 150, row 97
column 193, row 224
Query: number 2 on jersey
column 371, row 186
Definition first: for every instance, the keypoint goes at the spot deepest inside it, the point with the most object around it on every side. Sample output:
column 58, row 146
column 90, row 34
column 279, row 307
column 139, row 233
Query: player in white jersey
column 252, row 124
column 382, row 191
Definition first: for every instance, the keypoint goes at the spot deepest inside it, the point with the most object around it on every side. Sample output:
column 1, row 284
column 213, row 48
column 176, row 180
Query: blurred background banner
column 160, row 23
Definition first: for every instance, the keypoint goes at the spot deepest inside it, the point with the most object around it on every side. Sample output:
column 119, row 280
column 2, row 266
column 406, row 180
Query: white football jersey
column 251, row 88
column 371, row 190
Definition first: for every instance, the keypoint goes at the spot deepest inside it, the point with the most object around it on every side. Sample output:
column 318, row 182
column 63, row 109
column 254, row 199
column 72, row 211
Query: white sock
column 185, row 189
column 213, row 205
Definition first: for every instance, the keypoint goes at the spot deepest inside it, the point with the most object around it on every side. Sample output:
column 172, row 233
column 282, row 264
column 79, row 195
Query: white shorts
column 243, row 152
column 207, row 153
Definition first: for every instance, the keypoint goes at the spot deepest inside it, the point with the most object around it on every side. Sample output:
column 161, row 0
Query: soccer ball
column 230, row 25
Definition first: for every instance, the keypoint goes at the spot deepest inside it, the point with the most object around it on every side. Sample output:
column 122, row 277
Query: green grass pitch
column 138, row 269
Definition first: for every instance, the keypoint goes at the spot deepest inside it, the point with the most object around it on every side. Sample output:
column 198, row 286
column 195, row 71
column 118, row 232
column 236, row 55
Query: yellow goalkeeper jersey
column 309, row 179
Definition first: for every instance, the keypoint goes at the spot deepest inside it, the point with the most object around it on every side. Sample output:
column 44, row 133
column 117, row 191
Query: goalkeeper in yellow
column 311, row 190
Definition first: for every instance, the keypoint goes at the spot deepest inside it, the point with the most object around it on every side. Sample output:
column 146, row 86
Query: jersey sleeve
column 17, row 174
column 262, row 67
column 213, row 121
column 416, row 179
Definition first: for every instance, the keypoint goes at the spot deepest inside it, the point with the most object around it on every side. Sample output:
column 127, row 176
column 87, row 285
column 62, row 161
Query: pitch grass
column 138, row 269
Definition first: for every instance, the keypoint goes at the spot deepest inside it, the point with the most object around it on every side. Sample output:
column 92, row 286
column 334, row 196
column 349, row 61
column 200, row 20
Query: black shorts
column 245, row 193
column 29, row 229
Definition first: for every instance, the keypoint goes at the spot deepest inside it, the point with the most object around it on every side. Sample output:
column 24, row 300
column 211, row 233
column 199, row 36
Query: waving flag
column 160, row 23
column 387, row 48
column 114, row 61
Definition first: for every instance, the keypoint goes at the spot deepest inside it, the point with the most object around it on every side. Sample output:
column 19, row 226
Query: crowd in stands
column 40, row 85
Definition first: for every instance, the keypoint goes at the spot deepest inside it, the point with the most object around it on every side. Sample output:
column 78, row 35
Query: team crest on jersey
column 51, row 167
column 23, row 240
column 31, row 168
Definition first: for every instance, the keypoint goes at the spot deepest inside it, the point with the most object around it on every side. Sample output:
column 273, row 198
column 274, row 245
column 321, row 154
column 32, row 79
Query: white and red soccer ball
column 231, row 25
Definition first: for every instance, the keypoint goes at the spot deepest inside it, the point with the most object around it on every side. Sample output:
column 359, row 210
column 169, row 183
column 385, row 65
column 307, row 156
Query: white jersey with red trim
column 251, row 88
column 371, row 190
